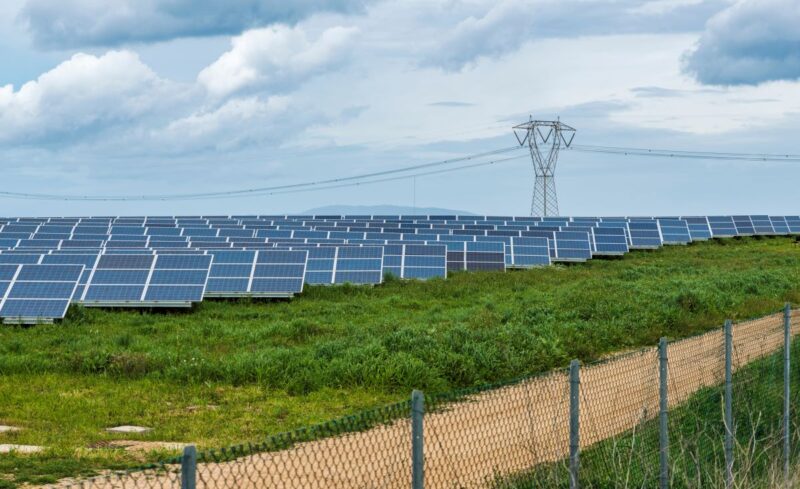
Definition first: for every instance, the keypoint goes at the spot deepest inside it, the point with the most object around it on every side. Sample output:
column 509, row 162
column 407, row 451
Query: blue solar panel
column 644, row 234
column 570, row 246
column 529, row 252
column 674, row 231
column 32, row 311
column 699, row 229
column 609, row 240
column 722, row 226
column 779, row 224
column 114, row 293
column 358, row 265
column 175, row 293
column 794, row 224
column 7, row 272
column 38, row 292
column 19, row 258
column 126, row 262
column 415, row 260
column 50, row 273
column 762, row 225
column 744, row 226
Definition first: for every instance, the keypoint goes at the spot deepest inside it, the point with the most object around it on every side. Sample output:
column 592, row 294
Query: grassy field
column 227, row 372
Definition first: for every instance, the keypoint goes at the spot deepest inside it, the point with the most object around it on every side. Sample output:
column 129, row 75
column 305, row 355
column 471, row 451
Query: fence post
column 787, row 344
column 663, row 438
column 728, row 404
column 574, row 423
column 417, row 439
column 189, row 468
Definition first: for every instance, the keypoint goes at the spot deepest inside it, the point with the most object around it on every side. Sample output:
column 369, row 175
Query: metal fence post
column 417, row 439
column 728, row 404
column 574, row 423
column 189, row 468
column 787, row 354
column 663, row 438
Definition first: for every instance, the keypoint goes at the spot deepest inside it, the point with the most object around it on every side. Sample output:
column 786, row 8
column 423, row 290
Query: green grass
column 271, row 366
column 696, row 433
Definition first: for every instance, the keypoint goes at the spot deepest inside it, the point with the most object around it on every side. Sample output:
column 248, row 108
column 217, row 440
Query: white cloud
column 493, row 29
column 71, row 23
column 237, row 123
column 752, row 41
column 503, row 28
column 277, row 57
column 85, row 94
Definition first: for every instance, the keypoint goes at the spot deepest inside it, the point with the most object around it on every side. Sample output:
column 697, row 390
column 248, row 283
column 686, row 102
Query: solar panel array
column 48, row 263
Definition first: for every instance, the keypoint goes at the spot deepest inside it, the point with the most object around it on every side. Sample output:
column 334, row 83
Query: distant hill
column 382, row 209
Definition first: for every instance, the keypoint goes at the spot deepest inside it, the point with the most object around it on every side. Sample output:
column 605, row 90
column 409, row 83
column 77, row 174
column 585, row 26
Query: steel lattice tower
column 545, row 139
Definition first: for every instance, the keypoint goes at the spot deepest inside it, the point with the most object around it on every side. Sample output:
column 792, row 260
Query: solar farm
column 221, row 330
column 46, row 264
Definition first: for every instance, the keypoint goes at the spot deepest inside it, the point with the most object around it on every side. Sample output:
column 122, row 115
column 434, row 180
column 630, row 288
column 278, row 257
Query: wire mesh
column 372, row 449
column 517, row 435
column 166, row 475
column 485, row 438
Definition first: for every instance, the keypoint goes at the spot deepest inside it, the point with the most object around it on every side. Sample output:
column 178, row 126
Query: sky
column 142, row 97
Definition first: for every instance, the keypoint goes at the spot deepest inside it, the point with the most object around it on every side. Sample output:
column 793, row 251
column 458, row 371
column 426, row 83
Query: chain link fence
column 715, row 410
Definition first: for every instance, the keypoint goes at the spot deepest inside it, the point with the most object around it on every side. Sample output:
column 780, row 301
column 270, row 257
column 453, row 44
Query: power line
column 370, row 182
column 405, row 173
column 251, row 191
column 670, row 153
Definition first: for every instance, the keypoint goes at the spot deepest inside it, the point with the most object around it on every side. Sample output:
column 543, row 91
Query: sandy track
column 495, row 433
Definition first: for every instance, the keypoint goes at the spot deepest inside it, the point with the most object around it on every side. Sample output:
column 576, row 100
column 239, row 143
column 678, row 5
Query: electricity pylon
column 545, row 139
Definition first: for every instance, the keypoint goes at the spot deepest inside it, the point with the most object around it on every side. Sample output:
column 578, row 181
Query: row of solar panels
column 192, row 221
column 31, row 235
column 146, row 270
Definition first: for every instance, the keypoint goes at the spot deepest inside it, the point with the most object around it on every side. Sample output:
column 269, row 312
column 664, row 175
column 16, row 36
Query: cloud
column 277, row 57
column 84, row 94
column 78, row 23
column 751, row 42
column 506, row 25
column 235, row 124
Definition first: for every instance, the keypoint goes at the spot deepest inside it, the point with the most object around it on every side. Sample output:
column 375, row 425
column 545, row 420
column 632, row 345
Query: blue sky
column 160, row 96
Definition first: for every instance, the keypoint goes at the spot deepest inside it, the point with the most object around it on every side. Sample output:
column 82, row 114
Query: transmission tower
column 544, row 139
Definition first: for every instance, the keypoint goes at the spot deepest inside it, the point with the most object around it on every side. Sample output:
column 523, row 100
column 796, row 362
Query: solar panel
column 609, row 241
column 699, row 230
column 529, row 252
column 320, row 265
column 89, row 261
column 744, row 226
column 644, row 235
column 571, row 246
column 136, row 280
column 489, row 253
column 278, row 273
column 38, row 293
column 415, row 260
column 475, row 255
column 722, row 226
column 674, row 231
column 779, row 224
column 762, row 225
column 794, row 224
column 231, row 272
column 27, row 258
column 358, row 265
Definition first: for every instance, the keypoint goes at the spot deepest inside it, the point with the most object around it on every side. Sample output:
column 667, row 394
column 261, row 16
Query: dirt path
column 499, row 432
